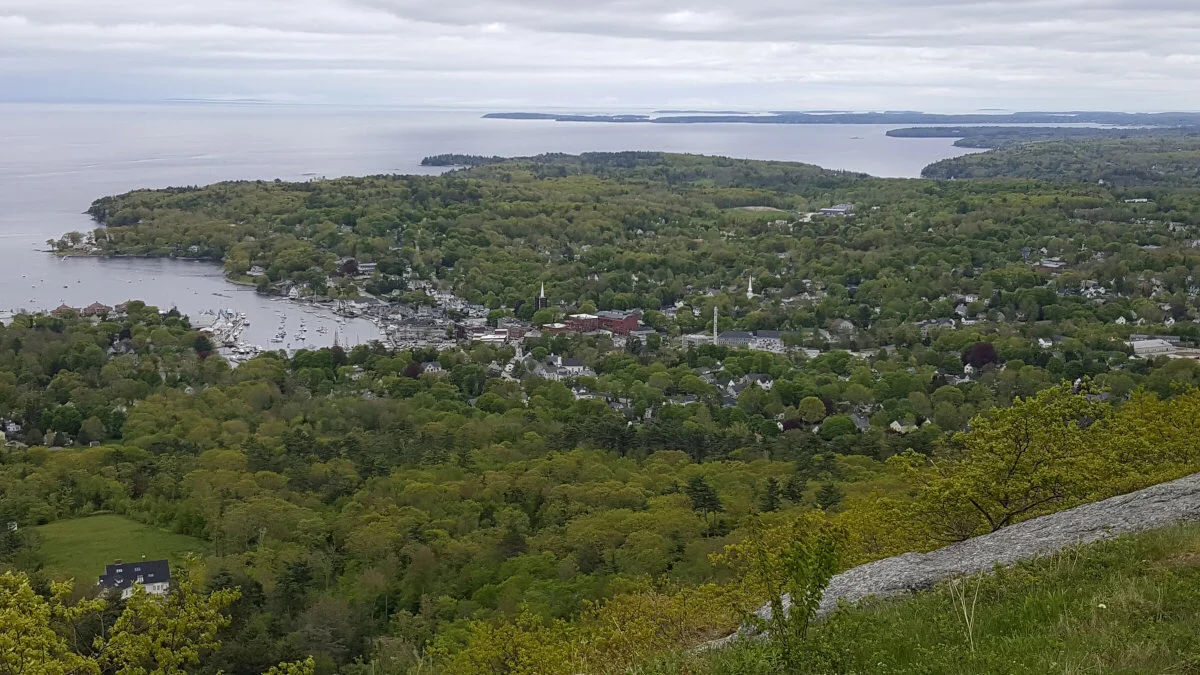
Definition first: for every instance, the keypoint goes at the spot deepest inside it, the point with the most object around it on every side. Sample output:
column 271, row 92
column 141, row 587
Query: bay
column 56, row 159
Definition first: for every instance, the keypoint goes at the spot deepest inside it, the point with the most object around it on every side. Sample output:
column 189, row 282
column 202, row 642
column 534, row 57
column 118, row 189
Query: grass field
column 81, row 548
column 1125, row 606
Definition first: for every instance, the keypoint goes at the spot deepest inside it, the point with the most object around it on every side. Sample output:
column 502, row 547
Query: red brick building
column 583, row 323
column 620, row 323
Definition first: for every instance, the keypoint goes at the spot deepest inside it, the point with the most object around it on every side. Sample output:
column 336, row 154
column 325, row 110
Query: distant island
column 1165, row 119
column 460, row 160
column 994, row 137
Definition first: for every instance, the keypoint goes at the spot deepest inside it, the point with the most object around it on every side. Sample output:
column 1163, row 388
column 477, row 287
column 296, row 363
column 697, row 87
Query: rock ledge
column 1154, row 507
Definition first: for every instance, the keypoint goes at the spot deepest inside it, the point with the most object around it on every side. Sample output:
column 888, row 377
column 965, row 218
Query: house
column 432, row 368
column 1043, row 343
column 1052, row 265
column 96, row 309
column 932, row 324
column 257, row 271
column 765, row 382
column 841, row 326
column 696, row 339
column 63, row 311
column 861, row 422
column 838, row 210
column 367, row 269
column 1121, row 321
column 573, row 367
column 153, row 575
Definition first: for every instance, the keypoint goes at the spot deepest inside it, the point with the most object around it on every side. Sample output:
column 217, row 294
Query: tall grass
column 1131, row 605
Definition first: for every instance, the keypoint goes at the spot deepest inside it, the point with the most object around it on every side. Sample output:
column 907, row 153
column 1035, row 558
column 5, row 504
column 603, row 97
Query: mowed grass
column 80, row 548
column 1131, row 605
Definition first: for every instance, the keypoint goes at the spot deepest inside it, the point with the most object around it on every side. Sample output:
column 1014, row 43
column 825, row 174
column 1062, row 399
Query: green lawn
column 81, row 548
column 1131, row 605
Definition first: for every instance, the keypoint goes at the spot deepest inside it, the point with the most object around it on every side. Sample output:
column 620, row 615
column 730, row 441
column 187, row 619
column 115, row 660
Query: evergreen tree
column 703, row 497
column 794, row 489
column 829, row 496
column 770, row 498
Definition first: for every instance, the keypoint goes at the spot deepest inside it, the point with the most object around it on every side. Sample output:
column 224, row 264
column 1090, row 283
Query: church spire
column 750, row 288
column 543, row 290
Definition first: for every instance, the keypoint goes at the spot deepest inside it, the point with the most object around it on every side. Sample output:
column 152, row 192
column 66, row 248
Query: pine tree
column 794, row 489
column 829, row 496
column 770, row 498
column 703, row 497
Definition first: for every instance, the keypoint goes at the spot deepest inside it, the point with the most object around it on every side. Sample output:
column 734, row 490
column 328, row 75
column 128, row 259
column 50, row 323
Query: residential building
column 573, row 367
column 153, row 575
column 96, row 309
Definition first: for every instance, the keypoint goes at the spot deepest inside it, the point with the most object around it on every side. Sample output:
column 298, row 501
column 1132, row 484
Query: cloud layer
column 795, row 54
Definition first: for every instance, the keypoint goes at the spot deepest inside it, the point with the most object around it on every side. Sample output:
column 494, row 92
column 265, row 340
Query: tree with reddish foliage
column 980, row 354
column 413, row 370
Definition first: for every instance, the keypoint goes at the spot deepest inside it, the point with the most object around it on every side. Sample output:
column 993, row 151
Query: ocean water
column 56, row 159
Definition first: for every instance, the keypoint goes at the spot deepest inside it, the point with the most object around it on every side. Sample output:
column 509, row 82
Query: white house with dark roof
column 153, row 575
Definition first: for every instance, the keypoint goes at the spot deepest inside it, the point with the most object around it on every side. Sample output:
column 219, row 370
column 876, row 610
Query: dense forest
column 1145, row 160
column 961, row 362
column 1006, row 137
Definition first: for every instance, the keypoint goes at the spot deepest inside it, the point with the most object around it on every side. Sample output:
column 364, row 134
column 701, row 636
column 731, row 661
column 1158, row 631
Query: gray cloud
column 932, row 54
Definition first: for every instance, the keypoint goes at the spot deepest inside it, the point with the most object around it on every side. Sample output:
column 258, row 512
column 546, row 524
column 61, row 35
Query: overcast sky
column 612, row 54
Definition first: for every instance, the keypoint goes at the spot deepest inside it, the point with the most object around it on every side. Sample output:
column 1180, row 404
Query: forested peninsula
column 585, row 473
column 1168, row 119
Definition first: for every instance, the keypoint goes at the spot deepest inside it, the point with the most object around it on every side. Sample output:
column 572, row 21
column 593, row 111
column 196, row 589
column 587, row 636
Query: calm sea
column 55, row 159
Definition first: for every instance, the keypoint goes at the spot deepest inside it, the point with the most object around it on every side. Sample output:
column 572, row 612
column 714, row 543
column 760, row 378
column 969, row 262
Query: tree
column 838, row 426
column 980, row 354
column 829, row 496
column 704, row 498
column 151, row 636
column 812, row 409
column 1038, row 455
column 202, row 344
column 794, row 489
column 790, row 565
column 770, row 497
